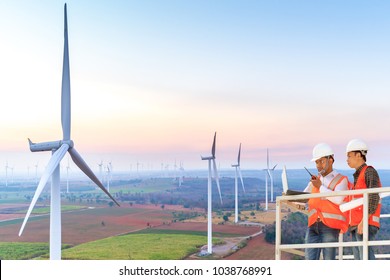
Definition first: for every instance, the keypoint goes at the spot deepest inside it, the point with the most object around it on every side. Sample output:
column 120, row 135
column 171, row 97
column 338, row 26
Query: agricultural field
column 152, row 229
column 146, row 246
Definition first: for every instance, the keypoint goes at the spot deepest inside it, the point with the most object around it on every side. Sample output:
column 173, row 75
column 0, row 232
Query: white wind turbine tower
column 271, row 176
column 108, row 177
column 111, row 169
column 238, row 173
column 12, row 174
column 181, row 176
column 268, row 174
column 209, row 194
column 266, row 189
column 59, row 149
column 6, row 173
column 101, row 170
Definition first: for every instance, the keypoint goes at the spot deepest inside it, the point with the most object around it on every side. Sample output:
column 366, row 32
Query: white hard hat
column 357, row 145
column 321, row 150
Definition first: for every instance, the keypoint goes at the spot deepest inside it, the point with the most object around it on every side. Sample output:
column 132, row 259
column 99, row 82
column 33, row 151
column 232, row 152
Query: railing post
column 341, row 248
column 365, row 226
column 278, row 229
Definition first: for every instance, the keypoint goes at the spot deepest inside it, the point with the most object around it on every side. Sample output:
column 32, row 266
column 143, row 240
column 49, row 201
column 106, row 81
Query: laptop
column 287, row 191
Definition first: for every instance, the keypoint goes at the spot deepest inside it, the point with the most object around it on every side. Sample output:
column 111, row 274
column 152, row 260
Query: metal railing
column 294, row 248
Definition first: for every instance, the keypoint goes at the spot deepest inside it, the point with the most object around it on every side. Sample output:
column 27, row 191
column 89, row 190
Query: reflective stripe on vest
column 335, row 181
column 334, row 216
column 312, row 212
column 326, row 215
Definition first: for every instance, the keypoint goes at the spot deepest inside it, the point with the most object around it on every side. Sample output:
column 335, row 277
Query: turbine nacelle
column 49, row 146
column 207, row 158
column 213, row 170
column 238, row 169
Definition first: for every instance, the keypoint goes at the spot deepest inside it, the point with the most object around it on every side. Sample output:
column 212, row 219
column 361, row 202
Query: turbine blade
column 65, row 91
column 239, row 155
column 78, row 160
column 217, row 179
column 273, row 168
column 213, row 148
column 267, row 159
column 51, row 166
column 284, row 180
column 242, row 181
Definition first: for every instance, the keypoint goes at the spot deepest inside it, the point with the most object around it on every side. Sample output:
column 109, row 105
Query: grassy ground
column 23, row 250
column 138, row 247
column 142, row 246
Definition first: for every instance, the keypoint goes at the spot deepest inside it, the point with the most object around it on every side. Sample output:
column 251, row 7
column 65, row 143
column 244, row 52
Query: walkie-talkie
column 311, row 175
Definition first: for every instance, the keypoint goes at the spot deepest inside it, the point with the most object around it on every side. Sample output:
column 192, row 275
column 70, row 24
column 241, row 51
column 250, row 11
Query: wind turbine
column 181, row 176
column 238, row 172
column 271, row 176
column 268, row 174
column 101, row 171
column 6, row 173
column 209, row 194
column 12, row 174
column 59, row 149
column 108, row 177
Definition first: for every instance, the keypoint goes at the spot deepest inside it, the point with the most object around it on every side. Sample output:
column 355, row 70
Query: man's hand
column 360, row 227
column 316, row 182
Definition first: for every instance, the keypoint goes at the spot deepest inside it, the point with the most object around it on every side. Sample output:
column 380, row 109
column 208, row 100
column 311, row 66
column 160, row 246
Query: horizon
column 151, row 82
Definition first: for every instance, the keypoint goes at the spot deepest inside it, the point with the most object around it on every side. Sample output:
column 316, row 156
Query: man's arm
column 372, row 181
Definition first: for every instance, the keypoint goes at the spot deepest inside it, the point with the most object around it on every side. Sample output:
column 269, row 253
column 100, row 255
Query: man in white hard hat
column 325, row 220
column 364, row 177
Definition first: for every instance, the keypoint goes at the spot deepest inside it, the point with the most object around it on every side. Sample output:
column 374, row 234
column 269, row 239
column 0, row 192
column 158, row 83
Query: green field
column 138, row 247
column 146, row 186
column 23, row 250
column 135, row 246
column 46, row 210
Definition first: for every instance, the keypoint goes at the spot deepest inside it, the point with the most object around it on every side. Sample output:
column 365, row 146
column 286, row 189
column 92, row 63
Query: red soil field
column 226, row 228
column 87, row 225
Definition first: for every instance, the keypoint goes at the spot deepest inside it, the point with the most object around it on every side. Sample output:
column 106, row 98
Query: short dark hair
column 361, row 154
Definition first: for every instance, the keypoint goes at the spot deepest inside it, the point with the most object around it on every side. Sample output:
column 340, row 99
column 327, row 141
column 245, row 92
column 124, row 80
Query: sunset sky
column 152, row 81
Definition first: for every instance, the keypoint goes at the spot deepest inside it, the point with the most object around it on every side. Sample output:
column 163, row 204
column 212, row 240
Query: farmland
column 144, row 227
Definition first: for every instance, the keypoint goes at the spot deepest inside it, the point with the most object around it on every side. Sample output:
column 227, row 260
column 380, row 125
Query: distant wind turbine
column 6, row 173
column 209, row 194
column 237, row 173
column 108, row 177
column 59, row 149
column 12, row 174
column 181, row 176
column 269, row 174
column 101, row 171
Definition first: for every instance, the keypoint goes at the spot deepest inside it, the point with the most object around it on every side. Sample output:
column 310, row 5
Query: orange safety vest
column 327, row 211
column 356, row 214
